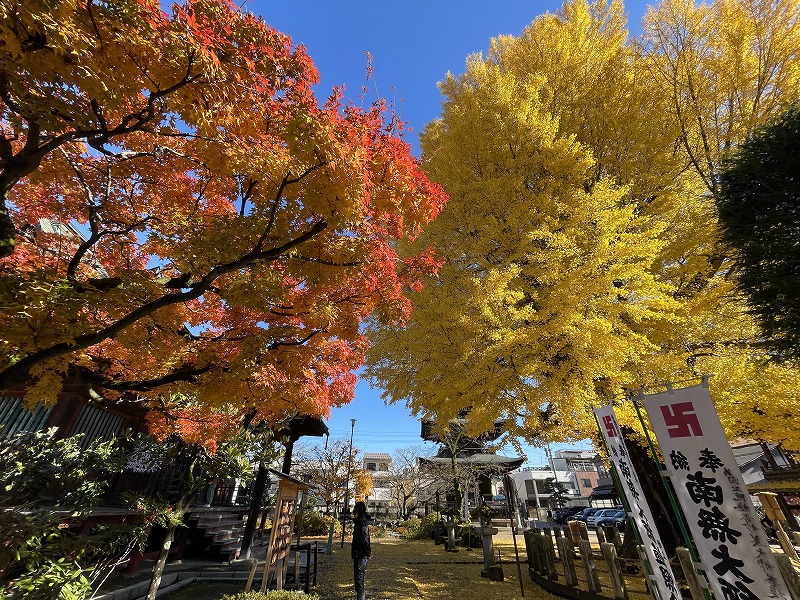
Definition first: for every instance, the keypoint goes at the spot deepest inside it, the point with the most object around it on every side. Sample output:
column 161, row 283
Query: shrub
column 377, row 531
column 271, row 595
column 484, row 512
column 428, row 524
column 315, row 523
column 40, row 556
column 470, row 537
column 412, row 527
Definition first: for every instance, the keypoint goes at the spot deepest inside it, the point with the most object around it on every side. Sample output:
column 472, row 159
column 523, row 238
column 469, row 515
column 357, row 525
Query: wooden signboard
column 290, row 491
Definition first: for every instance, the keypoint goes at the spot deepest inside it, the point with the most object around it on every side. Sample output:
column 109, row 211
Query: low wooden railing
column 575, row 567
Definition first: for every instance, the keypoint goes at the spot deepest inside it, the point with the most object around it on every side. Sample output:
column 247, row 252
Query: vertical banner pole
column 511, row 501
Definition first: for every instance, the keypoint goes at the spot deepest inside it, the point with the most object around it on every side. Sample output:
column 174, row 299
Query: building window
column 371, row 466
column 529, row 488
column 586, row 483
column 582, row 466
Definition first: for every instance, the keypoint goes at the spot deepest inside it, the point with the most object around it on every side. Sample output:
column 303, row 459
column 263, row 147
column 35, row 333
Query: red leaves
column 246, row 231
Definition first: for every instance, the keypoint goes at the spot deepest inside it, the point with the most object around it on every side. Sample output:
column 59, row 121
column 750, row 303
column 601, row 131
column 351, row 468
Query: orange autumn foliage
column 215, row 231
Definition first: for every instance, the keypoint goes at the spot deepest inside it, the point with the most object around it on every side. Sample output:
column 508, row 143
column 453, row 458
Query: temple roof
column 503, row 463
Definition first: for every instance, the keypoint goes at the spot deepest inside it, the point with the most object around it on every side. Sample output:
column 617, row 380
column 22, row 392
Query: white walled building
column 379, row 465
column 578, row 471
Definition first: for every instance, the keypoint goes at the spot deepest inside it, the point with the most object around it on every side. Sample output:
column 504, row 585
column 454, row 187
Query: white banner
column 662, row 576
column 730, row 540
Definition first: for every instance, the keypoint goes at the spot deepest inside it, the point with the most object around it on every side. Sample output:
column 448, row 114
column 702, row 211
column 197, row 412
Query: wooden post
column 589, row 566
column 690, row 572
column 550, row 553
column 790, row 575
column 583, row 531
column 541, row 552
column 612, row 535
column 647, row 568
column 614, row 570
column 601, row 536
column 253, row 568
column 567, row 555
column 769, row 501
column 565, row 529
column 528, row 536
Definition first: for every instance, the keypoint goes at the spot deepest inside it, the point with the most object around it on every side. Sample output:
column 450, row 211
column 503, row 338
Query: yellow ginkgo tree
column 579, row 248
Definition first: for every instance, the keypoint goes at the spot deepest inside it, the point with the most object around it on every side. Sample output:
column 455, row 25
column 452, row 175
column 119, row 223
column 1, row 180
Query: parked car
column 584, row 514
column 618, row 519
column 591, row 522
column 562, row 515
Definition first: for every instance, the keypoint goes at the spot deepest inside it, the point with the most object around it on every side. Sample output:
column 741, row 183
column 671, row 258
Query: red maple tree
column 179, row 214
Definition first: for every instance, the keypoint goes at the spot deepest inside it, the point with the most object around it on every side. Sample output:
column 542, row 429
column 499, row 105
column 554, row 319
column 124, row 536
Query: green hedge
column 271, row 595
column 417, row 529
column 315, row 523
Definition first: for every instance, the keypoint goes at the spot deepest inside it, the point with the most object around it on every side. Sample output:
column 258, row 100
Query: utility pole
column 346, row 510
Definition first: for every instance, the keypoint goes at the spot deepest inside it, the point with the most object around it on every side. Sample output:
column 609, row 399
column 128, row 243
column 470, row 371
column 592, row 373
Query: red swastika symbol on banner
column 610, row 429
column 681, row 420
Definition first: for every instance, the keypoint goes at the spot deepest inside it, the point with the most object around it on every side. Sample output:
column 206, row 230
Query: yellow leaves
column 725, row 66
column 363, row 483
column 581, row 253
column 49, row 379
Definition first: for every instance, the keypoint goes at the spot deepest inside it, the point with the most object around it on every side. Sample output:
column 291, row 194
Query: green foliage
column 271, row 595
column 61, row 579
column 36, row 469
column 470, row 537
column 428, row 524
column 377, row 531
column 316, row 523
column 758, row 211
column 416, row 529
column 451, row 512
column 411, row 529
column 156, row 512
column 44, row 485
column 484, row 512
column 557, row 491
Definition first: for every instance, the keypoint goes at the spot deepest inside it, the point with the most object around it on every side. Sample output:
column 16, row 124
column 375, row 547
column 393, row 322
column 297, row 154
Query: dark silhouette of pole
column 256, row 499
column 346, row 510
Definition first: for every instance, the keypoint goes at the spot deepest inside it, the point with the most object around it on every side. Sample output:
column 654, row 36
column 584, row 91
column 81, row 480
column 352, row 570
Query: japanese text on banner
column 730, row 540
column 640, row 511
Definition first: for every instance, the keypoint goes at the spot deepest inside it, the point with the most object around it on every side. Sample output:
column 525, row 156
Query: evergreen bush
column 272, row 595
column 316, row 523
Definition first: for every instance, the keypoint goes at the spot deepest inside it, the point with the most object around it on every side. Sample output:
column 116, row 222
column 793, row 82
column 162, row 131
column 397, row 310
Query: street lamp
column 346, row 511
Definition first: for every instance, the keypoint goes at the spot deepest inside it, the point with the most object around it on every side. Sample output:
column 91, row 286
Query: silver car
column 591, row 522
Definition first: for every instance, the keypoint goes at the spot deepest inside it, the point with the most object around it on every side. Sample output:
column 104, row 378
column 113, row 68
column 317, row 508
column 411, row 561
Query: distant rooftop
column 377, row 456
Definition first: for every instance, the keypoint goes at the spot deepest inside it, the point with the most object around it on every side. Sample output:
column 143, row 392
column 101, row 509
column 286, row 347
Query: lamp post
column 346, row 510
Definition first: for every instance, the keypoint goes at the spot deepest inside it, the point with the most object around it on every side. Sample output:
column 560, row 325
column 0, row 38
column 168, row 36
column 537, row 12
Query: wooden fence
column 566, row 562
column 573, row 566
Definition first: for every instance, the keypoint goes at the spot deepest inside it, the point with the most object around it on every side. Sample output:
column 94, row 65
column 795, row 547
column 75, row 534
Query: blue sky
column 413, row 44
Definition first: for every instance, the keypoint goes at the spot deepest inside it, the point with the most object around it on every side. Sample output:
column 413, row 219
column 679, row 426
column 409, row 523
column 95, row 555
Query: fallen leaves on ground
column 410, row 569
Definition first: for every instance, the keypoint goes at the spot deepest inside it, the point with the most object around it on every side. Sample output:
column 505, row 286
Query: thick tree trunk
column 8, row 233
column 655, row 494
column 158, row 568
